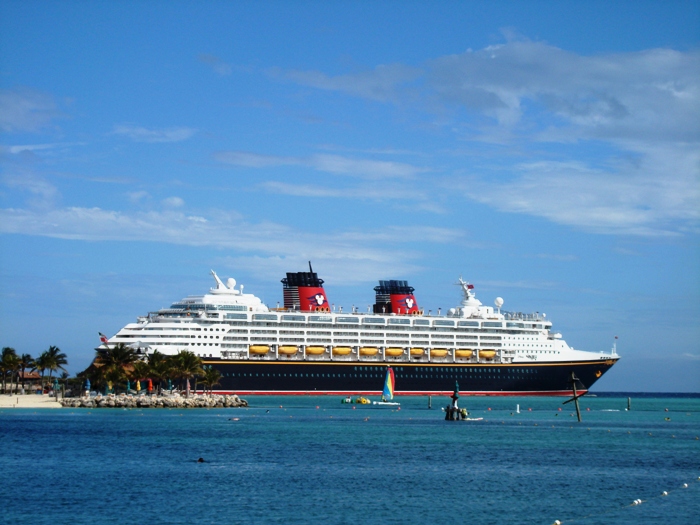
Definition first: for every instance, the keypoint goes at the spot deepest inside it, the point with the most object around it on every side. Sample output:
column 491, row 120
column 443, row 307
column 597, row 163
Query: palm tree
column 112, row 362
column 41, row 363
column 26, row 361
column 56, row 360
column 161, row 368
column 9, row 363
column 140, row 370
column 210, row 378
column 187, row 365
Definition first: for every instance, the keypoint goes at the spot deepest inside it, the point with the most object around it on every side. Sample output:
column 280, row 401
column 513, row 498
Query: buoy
column 664, row 493
column 685, row 485
column 556, row 522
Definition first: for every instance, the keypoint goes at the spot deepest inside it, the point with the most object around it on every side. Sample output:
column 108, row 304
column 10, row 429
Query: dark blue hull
column 346, row 378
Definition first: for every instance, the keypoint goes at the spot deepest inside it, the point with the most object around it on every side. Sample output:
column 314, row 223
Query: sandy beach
column 28, row 401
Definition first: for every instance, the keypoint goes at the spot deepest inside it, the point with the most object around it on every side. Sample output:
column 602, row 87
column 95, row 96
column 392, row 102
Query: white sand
column 28, row 401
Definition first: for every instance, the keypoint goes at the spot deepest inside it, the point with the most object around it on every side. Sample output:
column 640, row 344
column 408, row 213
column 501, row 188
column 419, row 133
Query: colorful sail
column 388, row 393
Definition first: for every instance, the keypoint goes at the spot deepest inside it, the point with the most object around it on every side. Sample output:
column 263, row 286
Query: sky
column 548, row 152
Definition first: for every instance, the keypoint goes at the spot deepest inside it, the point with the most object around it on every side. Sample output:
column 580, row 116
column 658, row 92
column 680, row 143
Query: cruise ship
column 309, row 347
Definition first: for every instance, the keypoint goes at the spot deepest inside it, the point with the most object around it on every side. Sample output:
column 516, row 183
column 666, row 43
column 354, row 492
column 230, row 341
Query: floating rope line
column 635, row 503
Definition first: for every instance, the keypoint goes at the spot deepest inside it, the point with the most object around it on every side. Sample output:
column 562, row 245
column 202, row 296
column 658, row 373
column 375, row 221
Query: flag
column 103, row 338
column 470, row 286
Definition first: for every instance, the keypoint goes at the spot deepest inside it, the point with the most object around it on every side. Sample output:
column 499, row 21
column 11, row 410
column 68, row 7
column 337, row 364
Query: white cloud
column 138, row 196
column 24, row 109
column 349, row 253
column 174, row 202
column 379, row 84
column 630, row 123
column 636, row 198
column 43, row 193
column 337, row 164
column 219, row 66
column 141, row 134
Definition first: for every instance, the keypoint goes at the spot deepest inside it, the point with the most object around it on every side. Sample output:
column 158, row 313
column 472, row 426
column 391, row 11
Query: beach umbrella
column 87, row 385
column 150, row 385
column 138, row 385
column 170, row 385
column 128, row 386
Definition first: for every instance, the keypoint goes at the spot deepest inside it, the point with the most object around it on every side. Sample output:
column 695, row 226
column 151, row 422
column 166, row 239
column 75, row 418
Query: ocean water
column 296, row 460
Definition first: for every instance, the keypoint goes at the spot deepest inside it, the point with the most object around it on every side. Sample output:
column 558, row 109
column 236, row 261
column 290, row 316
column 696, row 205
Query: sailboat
column 388, row 392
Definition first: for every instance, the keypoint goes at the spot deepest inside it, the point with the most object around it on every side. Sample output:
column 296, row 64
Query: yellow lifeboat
column 315, row 350
column 393, row 352
column 417, row 351
column 369, row 350
column 288, row 350
column 438, row 352
column 341, row 350
column 463, row 352
column 487, row 354
column 259, row 349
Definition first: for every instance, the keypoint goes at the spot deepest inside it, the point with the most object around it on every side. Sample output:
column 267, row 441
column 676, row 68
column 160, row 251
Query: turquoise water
column 314, row 460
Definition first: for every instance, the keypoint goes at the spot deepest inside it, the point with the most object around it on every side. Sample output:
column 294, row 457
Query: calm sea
column 314, row 460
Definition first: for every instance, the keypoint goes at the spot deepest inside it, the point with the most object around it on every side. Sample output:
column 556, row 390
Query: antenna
column 310, row 269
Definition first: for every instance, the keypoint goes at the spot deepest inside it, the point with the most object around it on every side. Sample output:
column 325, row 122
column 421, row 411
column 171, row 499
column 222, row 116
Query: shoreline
column 28, row 401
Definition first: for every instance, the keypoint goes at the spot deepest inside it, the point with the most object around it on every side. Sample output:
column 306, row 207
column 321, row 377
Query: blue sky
column 546, row 151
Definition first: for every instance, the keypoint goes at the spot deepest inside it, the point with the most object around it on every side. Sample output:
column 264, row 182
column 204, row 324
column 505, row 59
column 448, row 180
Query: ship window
column 442, row 322
column 293, row 318
column 320, row 318
column 265, row 317
column 399, row 321
column 353, row 320
column 373, row 320
column 421, row 322
column 468, row 323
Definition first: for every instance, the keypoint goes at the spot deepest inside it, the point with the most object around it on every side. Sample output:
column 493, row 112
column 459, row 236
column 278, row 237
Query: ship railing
column 520, row 316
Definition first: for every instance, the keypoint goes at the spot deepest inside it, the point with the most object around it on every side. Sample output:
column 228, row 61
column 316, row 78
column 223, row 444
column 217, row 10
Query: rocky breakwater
column 143, row 401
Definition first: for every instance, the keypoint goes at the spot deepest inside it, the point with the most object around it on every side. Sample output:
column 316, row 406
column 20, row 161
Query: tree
column 187, row 365
column 161, row 367
column 56, row 360
column 140, row 370
column 112, row 363
column 26, row 361
column 210, row 378
column 41, row 363
column 9, row 364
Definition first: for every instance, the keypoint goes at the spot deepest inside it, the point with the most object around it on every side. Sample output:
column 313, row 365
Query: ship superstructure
column 308, row 346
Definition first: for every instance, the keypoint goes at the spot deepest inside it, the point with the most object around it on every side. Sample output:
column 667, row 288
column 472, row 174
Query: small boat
column 388, row 392
column 369, row 350
column 288, row 350
column 315, row 350
column 416, row 351
column 487, row 354
column 259, row 349
column 341, row 350
column 393, row 352
column 463, row 352
column 438, row 352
